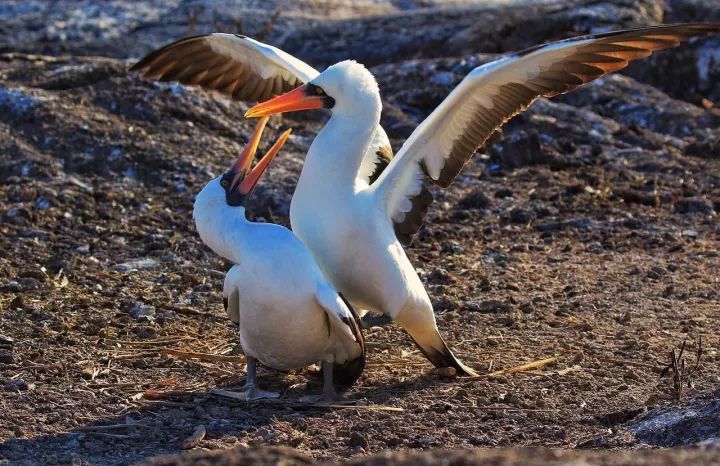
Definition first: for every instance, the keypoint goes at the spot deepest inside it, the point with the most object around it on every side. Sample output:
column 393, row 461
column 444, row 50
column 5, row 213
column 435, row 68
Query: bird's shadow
column 161, row 427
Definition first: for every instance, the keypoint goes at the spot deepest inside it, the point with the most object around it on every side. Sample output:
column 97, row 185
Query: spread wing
column 235, row 65
column 246, row 70
column 493, row 93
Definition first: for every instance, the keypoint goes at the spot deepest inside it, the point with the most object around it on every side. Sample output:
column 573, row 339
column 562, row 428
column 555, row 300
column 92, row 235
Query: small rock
column 503, row 193
column 518, row 215
column 17, row 385
column 10, row 287
column 357, row 440
column 440, row 275
column 6, row 341
column 490, row 306
column 265, row 434
column 28, row 283
column 452, row 247
column 656, row 273
column 140, row 264
column 142, row 311
column 6, row 357
column 690, row 233
column 694, row 205
column 476, row 200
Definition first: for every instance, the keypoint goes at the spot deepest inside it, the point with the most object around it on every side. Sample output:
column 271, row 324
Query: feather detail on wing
column 493, row 93
column 238, row 66
column 345, row 321
column 231, row 296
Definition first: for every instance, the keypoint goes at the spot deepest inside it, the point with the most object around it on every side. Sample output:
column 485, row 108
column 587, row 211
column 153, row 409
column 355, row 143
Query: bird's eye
column 319, row 90
column 224, row 183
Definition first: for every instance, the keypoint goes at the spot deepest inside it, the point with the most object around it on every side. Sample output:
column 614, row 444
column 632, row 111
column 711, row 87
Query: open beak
column 248, row 183
column 293, row 101
column 241, row 167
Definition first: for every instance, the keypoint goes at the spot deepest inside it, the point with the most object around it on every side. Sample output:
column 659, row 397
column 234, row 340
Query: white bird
column 354, row 226
column 289, row 315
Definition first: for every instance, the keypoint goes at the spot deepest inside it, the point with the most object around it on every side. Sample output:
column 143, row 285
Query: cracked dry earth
column 586, row 231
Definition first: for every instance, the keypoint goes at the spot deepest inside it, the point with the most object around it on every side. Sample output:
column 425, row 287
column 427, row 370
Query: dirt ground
column 587, row 231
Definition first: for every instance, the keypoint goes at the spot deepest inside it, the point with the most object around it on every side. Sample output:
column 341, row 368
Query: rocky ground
column 587, row 231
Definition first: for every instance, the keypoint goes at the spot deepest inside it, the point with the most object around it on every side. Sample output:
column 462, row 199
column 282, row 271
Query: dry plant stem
column 621, row 362
column 110, row 427
column 512, row 370
column 204, row 356
column 301, row 406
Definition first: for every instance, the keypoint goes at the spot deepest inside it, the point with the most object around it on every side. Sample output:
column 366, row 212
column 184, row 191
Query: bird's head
column 221, row 203
column 240, row 180
column 344, row 86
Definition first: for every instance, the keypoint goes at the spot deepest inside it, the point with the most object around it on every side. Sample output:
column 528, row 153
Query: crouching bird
column 289, row 315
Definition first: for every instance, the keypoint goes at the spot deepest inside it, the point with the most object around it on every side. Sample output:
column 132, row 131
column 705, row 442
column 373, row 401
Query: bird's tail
column 420, row 324
column 440, row 355
column 347, row 373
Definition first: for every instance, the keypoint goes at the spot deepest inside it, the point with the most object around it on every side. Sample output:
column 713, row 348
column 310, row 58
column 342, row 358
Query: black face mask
column 233, row 197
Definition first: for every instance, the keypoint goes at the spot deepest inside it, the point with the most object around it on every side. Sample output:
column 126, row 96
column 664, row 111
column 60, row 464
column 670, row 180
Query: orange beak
column 241, row 167
column 248, row 184
column 292, row 101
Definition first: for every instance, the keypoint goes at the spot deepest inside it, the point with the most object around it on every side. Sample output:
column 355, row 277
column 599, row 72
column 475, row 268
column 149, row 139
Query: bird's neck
column 336, row 154
column 227, row 232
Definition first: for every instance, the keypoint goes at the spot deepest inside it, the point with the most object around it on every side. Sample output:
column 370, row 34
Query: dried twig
column 160, row 341
column 395, row 362
column 512, row 370
column 622, row 362
column 204, row 356
column 681, row 376
column 110, row 427
column 300, row 406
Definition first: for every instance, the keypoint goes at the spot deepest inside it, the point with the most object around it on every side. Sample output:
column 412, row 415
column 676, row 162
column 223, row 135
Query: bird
column 356, row 227
column 289, row 315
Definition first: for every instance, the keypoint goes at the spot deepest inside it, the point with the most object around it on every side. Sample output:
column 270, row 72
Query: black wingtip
column 444, row 357
column 347, row 374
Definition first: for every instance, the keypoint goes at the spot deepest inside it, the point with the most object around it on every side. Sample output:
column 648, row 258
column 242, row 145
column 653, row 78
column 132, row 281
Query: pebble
column 6, row 357
column 694, row 205
column 358, row 440
column 490, row 306
column 518, row 215
column 690, row 233
column 140, row 264
column 142, row 311
column 10, row 287
column 17, row 385
column 5, row 340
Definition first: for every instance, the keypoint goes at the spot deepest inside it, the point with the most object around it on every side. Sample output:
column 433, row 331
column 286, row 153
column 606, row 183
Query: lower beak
column 248, row 184
column 244, row 161
column 292, row 101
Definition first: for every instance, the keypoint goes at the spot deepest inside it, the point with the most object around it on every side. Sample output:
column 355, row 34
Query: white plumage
column 289, row 315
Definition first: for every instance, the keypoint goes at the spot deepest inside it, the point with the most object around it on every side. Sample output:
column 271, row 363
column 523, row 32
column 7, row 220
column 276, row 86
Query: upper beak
column 248, row 184
column 241, row 167
column 292, row 101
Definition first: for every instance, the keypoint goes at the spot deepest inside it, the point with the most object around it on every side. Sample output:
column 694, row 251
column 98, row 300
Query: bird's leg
column 249, row 392
column 374, row 320
column 329, row 393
